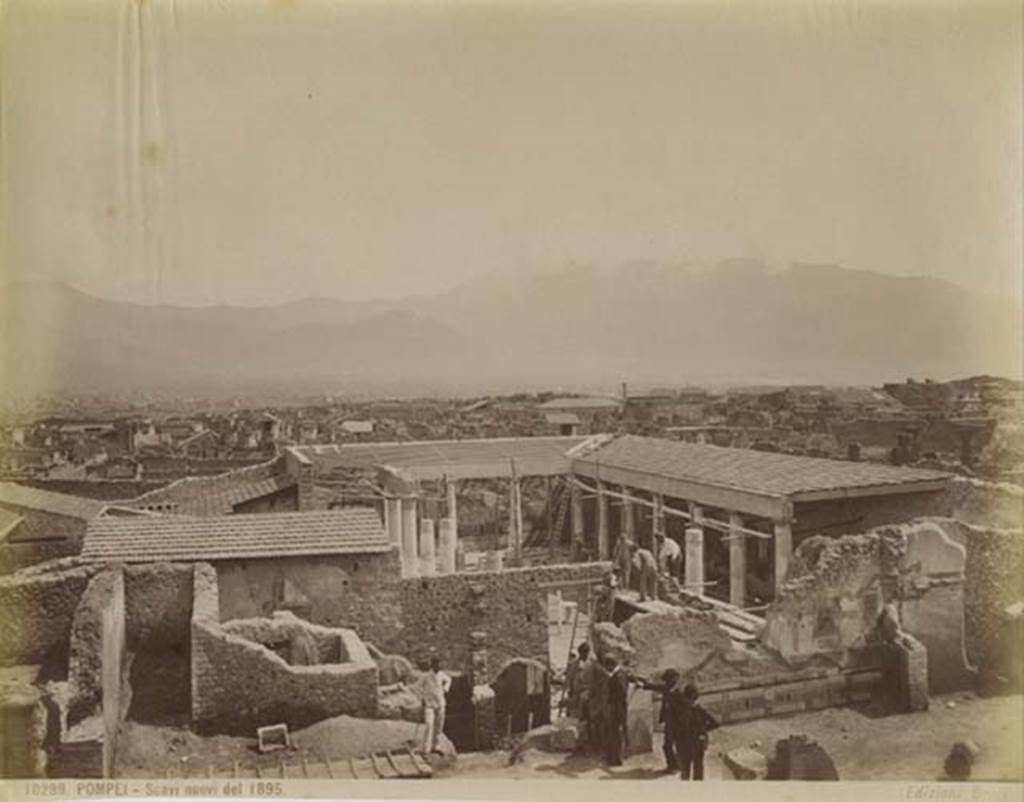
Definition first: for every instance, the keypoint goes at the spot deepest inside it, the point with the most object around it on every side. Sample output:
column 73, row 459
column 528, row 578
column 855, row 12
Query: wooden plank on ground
column 327, row 764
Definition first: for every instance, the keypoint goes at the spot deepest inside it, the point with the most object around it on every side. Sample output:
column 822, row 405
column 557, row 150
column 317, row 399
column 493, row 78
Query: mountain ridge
column 635, row 322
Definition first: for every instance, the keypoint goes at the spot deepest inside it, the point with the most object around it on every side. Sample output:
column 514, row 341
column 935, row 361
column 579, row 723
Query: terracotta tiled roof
column 754, row 471
column 47, row 501
column 173, row 538
column 215, row 495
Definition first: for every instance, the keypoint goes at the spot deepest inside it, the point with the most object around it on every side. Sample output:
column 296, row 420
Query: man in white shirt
column 670, row 557
column 433, row 687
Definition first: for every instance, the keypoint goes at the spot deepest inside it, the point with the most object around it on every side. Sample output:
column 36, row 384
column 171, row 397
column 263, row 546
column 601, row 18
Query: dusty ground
column 904, row 747
column 149, row 750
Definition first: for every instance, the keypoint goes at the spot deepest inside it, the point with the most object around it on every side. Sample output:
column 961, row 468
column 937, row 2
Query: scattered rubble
column 746, row 763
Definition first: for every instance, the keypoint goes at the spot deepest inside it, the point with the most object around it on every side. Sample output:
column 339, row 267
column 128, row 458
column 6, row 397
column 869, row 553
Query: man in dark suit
column 616, row 710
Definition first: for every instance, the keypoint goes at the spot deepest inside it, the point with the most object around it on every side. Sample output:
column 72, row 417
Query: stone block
column 800, row 758
column 961, row 759
column 746, row 763
column 608, row 639
column 640, row 723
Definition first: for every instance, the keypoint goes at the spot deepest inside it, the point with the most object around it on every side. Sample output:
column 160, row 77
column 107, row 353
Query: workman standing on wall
column 647, row 568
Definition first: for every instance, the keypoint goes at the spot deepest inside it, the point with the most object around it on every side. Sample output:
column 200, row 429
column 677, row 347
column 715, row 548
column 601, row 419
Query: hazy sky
column 230, row 151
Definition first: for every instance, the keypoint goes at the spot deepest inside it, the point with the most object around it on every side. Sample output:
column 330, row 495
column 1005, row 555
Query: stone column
column 446, row 546
column 515, row 520
column 783, row 548
column 576, row 499
column 428, row 549
column 657, row 521
column 737, row 561
column 410, row 547
column 693, row 560
column 451, row 486
column 627, row 518
column 602, row 523
column 393, row 513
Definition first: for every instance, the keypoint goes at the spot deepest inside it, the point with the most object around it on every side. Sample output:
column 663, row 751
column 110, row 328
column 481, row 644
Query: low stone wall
column 36, row 609
column 239, row 684
column 477, row 622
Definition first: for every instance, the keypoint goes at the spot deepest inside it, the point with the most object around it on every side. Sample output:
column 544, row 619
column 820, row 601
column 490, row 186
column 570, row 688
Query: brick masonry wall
column 509, row 607
column 239, row 685
column 36, row 610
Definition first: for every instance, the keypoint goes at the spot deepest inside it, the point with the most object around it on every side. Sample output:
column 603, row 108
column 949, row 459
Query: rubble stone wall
column 36, row 609
column 357, row 592
column 994, row 580
column 158, row 605
column 507, row 609
column 833, row 596
column 239, row 685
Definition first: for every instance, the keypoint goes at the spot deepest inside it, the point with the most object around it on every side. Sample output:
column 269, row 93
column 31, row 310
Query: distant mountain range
column 738, row 322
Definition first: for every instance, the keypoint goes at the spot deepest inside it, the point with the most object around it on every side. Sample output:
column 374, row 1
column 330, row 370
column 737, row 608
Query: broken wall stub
column 838, row 588
column 993, row 582
column 834, row 594
column 238, row 684
column 23, row 720
column 931, row 603
column 97, row 701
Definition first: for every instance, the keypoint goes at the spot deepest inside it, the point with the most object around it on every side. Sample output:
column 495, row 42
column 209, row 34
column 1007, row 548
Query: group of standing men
column 598, row 694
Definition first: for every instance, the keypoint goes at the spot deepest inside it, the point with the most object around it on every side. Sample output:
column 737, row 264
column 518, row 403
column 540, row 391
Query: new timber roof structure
column 174, row 538
column 456, row 459
column 754, row 482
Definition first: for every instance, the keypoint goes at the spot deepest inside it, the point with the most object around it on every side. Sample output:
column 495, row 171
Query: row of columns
column 693, row 548
column 424, row 549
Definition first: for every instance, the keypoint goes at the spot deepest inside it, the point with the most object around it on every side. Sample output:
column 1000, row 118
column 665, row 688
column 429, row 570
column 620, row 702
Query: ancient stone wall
column 839, row 586
column 158, row 603
column 239, row 685
column 993, row 580
column 833, row 597
column 496, row 615
column 36, row 609
column 357, row 592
